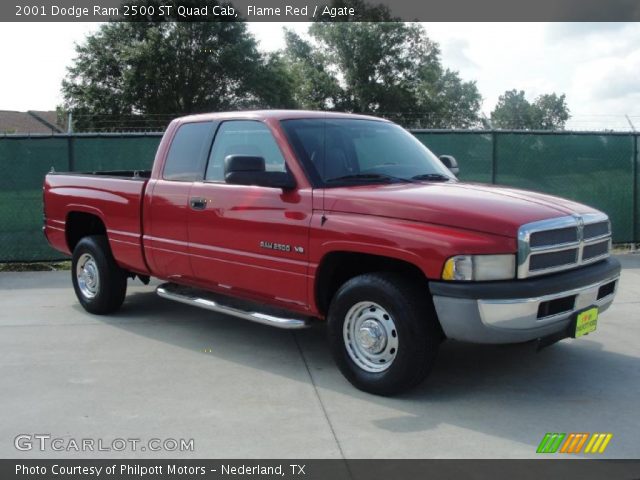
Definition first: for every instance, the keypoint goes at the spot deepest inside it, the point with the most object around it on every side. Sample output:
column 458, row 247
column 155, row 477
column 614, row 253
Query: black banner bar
column 581, row 469
column 312, row 10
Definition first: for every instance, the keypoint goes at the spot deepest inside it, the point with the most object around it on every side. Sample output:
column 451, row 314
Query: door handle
column 198, row 203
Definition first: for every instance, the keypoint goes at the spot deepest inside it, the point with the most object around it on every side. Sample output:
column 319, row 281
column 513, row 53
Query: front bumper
column 522, row 310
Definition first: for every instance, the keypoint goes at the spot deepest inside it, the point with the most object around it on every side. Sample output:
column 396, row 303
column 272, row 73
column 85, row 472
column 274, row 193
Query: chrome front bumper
column 520, row 318
column 523, row 313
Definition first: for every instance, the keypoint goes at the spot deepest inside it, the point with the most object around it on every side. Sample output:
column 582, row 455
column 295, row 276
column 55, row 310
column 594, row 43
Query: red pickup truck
column 286, row 217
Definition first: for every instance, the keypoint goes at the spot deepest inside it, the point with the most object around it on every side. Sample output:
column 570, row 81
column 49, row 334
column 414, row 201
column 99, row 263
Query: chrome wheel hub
column 87, row 276
column 370, row 336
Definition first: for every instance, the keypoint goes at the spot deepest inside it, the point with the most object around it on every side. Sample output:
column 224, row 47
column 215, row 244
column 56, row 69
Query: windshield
column 340, row 151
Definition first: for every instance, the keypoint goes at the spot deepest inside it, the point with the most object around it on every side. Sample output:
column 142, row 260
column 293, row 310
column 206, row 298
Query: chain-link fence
column 599, row 169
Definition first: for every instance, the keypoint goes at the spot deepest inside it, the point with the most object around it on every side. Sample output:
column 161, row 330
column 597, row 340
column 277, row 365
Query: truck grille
column 562, row 243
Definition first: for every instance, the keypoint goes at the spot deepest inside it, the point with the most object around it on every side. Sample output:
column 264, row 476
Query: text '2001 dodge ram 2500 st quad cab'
column 282, row 217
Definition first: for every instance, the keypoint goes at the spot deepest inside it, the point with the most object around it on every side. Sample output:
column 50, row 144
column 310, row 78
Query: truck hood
column 483, row 208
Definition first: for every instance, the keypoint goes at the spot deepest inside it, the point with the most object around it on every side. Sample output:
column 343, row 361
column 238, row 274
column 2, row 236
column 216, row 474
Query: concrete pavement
column 159, row 369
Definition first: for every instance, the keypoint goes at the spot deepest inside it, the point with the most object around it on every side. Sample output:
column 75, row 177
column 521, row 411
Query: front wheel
column 383, row 333
column 100, row 284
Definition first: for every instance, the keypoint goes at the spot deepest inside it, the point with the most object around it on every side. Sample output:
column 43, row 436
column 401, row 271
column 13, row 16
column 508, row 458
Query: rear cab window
column 188, row 152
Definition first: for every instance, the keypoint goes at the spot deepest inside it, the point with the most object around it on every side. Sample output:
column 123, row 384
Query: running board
column 231, row 306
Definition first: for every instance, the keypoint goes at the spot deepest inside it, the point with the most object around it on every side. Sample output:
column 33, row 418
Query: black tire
column 111, row 286
column 413, row 318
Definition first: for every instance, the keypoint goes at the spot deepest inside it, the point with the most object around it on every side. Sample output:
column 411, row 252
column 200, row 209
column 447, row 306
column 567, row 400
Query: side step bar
column 230, row 306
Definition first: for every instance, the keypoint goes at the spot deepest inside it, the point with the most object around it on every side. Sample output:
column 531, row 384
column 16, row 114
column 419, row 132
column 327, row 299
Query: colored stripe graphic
column 568, row 443
column 598, row 443
column 581, row 442
column 543, row 443
column 574, row 442
column 550, row 443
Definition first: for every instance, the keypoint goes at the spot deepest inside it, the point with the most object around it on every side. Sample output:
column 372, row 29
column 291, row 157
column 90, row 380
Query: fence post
column 494, row 160
column 71, row 157
column 634, row 169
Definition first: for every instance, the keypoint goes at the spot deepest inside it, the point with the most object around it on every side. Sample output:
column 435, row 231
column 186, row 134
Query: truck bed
column 114, row 197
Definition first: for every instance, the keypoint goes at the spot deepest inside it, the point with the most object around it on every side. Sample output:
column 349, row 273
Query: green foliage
column 514, row 111
column 314, row 87
column 388, row 68
column 139, row 69
column 61, row 116
column 550, row 112
column 174, row 68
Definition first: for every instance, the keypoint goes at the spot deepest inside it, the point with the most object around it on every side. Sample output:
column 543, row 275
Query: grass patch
column 35, row 266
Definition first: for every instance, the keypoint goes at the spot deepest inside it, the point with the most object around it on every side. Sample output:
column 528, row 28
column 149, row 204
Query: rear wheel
column 383, row 333
column 100, row 284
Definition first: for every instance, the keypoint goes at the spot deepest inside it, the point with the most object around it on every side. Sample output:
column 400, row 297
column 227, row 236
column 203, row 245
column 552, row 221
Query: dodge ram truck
column 290, row 217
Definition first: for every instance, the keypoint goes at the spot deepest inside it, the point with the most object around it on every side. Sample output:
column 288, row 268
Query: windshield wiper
column 434, row 177
column 367, row 177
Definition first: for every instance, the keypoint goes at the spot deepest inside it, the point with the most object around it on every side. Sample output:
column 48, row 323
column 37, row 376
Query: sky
column 597, row 65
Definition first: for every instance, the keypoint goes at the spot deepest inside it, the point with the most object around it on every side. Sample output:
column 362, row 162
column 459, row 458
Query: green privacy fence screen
column 600, row 169
column 24, row 161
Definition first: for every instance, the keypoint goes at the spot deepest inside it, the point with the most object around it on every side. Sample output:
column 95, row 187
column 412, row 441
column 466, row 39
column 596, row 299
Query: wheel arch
column 337, row 267
column 79, row 224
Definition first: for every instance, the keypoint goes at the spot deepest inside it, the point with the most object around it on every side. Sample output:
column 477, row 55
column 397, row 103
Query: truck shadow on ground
column 505, row 391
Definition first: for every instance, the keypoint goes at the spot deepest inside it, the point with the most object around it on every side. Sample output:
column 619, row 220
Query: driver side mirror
column 250, row 170
column 451, row 163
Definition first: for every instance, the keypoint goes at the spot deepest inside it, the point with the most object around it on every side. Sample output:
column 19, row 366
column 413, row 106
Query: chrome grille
column 553, row 237
column 595, row 250
column 553, row 259
column 596, row 229
column 562, row 243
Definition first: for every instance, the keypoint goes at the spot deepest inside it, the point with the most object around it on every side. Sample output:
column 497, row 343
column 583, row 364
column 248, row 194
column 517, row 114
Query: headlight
column 480, row 267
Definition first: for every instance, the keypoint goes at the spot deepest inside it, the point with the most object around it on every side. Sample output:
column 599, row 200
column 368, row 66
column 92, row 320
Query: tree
column 314, row 88
column 551, row 112
column 173, row 68
column 386, row 68
column 514, row 111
